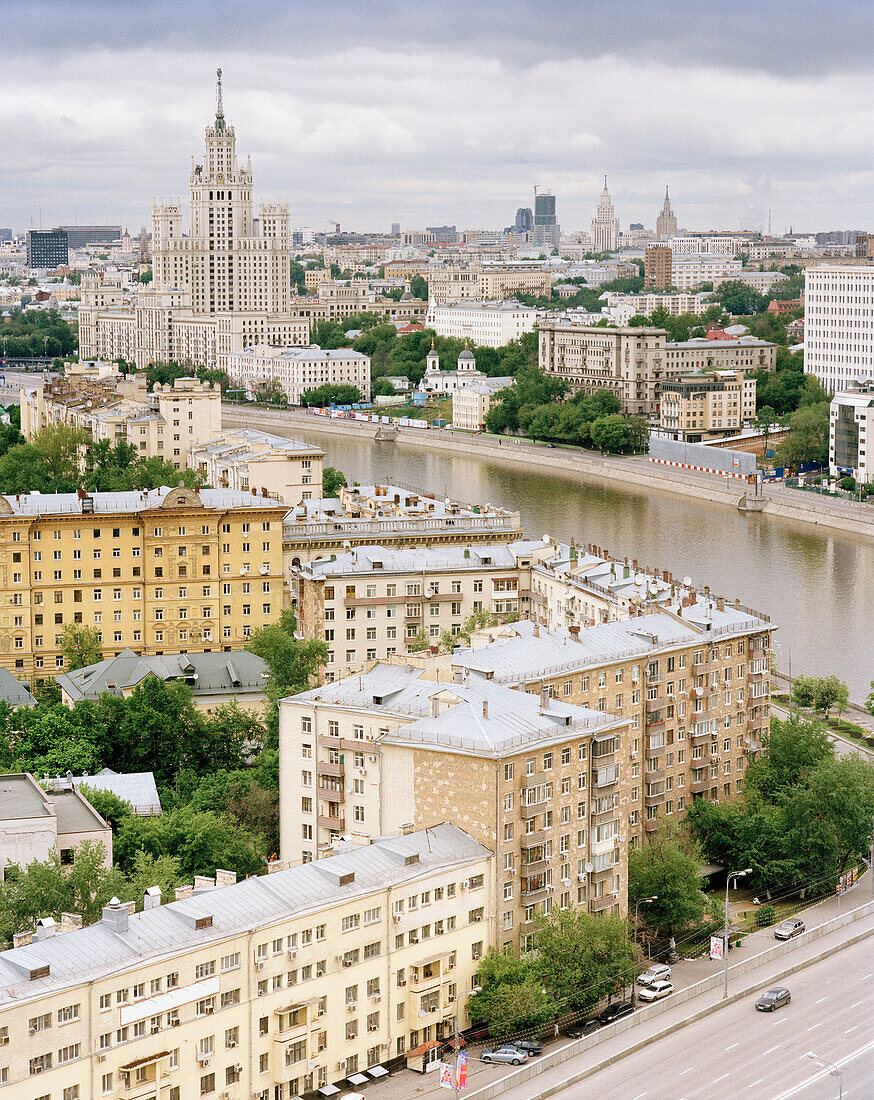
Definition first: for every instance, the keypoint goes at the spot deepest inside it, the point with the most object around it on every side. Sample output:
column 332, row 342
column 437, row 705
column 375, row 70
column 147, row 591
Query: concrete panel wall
column 698, row 454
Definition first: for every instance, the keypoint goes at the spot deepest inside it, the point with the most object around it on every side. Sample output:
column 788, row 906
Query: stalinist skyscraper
column 666, row 222
column 214, row 291
column 605, row 224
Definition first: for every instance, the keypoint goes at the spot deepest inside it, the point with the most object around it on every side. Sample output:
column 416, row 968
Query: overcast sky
column 440, row 111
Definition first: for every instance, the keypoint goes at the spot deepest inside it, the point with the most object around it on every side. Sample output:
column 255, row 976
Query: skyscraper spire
column 219, row 107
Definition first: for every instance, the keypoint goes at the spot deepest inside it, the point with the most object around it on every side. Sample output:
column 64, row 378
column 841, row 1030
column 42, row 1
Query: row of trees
column 34, row 333
column 536, row 406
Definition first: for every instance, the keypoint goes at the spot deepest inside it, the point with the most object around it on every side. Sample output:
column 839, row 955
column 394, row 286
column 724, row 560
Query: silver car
column 658, row 972
column 786, row 929
column 510, row 1055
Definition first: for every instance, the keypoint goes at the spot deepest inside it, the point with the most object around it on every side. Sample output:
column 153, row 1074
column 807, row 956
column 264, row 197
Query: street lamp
column 731, row 875
column 465, row 993
column 637, row 905
column 831, row 1067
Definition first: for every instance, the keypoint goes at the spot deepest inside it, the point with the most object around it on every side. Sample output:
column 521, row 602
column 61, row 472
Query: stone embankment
column 633, row 471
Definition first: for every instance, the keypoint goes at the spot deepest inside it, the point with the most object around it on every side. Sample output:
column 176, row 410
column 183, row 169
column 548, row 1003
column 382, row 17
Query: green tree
column 200, row 840
column 612, row 434
column 511, row 999
column 332, row 480
column 580, row 958
column 61, row 447
column 739, row 299
column 293, row 665
column 808, row 436
column 419, row 287
column 661, row 868
column 821, row 693
column 148, row 870
column 81, row 646
column 331, row 394
column 792, row 748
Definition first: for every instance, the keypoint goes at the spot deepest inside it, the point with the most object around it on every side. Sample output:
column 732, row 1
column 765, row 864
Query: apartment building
column 657, row 267
column 851, row 431
column 471, row 404
column 167, row 423
column 688, row 272
column 263, row 369
column 337, row 299
column 707, row 405
column 257, row 462
column 692, row 681
column 622, row 307
column 534, row 779
column 392, row 517
column 457, row 282
column 155, row 571
column 372, row 602
column 487, row 324
column 633, row 362
column 270, row 988
column 838, row 332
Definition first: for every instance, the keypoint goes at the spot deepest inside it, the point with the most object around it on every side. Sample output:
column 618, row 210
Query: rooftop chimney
column 45, row 928
column 116, row 916
column 152, row 898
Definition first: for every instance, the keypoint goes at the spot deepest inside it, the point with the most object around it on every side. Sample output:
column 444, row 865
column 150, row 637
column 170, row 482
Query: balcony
column 757, row 677
column 699, row 668
column 326, row 791
column 602, row 817
column 652, row 774
column 598, row 905
column 332, row 821
column 533, row 891
column 700, row 786
column 536, row 865
column 530, row 840
column 701, row 738
column 651, row 824
column 655, row 723
column 533, row 810
column 336, row 770
column 654, row 799
column 326, row 742
column 655, row 704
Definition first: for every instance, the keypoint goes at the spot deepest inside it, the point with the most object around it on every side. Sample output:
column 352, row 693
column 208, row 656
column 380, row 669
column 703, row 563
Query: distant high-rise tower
column 524, row 220
column 546, row 229
column 605, row 224
column 666, row 222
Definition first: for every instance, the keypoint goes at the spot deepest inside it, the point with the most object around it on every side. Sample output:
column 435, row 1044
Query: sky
column 444, row 112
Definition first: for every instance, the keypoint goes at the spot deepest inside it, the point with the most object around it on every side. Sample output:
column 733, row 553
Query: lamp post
column 831, row 1067
column 637, row 905
column 465, row 993
column 731, row 875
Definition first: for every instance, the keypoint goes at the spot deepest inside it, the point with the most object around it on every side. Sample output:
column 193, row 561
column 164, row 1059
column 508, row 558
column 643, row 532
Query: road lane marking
column 856, row 1005
column 753, row 1085
column 733, row 1045
column 815, row 1026
column 864, row 977
column 722, row 1078
column 771, row 1049
column 689, row 1070
column 782, row 1020
column 821, row 999
column 639, row 1095
column 849, row 1029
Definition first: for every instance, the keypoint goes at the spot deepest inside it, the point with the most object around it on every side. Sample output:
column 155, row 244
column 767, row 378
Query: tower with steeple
column 605, row 224
column 666, row 222
column 222, row 266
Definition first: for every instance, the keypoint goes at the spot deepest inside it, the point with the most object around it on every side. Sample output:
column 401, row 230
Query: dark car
column 531, row 1046
column 583, row 1027
column 615, row 1012
column 774, row 998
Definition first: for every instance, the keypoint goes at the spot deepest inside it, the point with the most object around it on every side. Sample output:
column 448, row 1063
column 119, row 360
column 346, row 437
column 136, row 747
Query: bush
column 848, row 483
column 765, row 916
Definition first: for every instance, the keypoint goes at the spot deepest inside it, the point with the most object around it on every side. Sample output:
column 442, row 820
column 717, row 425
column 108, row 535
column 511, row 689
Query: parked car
column 774, row 998
column 656, row 973
column 509, row 1055
column 531, row 1046
column 615, row 1012
column 788, row 928
column 583, row 1027
column 656, row 991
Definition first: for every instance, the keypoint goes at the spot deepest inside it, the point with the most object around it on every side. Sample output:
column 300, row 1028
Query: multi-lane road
column 740, row 1052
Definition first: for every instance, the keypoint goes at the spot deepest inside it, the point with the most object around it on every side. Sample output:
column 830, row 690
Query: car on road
column 509, row 1055
column 615, row 1012
column 658, row 972
column 788, row 928
column 656, row 991
column 531, row 1046
column 774, row 998
column 583, row 1027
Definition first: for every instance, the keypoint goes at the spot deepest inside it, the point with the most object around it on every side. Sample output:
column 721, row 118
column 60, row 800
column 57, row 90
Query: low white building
column 758, row 280
column 470, row 404
column 260, row 463
column 448, row 381
column 490, row 324
column 622, row 307
column 688, row 272
column 851, row 433
column 295, row 370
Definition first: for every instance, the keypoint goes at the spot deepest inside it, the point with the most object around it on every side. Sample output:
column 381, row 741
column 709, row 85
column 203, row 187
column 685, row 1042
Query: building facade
column 534, row 779
column 546, row 229
column 471, row 404
column 851, row 434
column 450, row 283
column 839, row 325
column 707, row 405
column 269, row 988
column 689, row 272
column 657, row 267
column 605, row 224
column 155, row 571
column 46, row 249
column 488, row 324
column 256, row 462
column 437, row 381
column 666, row 223
column 292, row 370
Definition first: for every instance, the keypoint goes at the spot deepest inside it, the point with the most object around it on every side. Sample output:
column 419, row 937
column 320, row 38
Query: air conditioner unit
column 463, row 884
column 362, row 771
column 259, row 965
column 101, row 1057
column 209, row 1010
column 373, row 1027
column 565, row 882
column 232, row 1042
column 403, row 981
column 377, row 997
column 224, row 1096
column 341, row 1065
column 372, row 758
column 353, row 1007
column 397, row 918
column 511, row 872
column 175, row 1022
column 341, row 957
column 238, row 1068
column 292, row 953
column 582, row 877
column 203, row 1059
column 156, row 1028
column 264, row 569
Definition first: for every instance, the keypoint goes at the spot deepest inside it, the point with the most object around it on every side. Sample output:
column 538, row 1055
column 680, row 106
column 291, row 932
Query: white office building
column 489, row 324
column 261, row 368
column 839, row 325
column 851, row 431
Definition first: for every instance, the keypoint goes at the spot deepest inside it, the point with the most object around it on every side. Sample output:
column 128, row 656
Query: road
column 741, row 1052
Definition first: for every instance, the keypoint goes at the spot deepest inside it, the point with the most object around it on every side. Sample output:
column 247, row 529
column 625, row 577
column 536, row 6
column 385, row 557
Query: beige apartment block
column 292, row 371
column 336, row 299
column 471, row 404
column 155, row 571
column 707, row 405
column 256, row 462
column 477, row 281
column 269, row 988
column 392, row 517
column 535, row 779
column 693, row 681
column 634, row 362
column 373, row 602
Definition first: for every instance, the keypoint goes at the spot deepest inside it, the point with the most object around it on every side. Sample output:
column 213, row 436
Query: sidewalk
column 684, row 974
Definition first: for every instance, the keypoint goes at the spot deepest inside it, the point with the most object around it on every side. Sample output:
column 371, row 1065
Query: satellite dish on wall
column 590, row 867
column 687, row 581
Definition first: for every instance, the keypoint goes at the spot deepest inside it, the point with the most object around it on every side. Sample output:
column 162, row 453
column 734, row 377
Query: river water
column 816, row 584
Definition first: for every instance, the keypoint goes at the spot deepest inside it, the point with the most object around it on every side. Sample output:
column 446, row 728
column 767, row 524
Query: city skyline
column 102, row 129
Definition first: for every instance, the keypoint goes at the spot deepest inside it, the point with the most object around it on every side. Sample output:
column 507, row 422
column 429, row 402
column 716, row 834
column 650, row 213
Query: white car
column 656, row 991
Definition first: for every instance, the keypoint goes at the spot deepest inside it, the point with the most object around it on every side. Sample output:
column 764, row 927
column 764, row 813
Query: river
column 816, row 584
